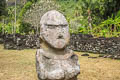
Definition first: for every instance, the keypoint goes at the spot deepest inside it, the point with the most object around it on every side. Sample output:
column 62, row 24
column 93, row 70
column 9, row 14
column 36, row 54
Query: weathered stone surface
column 53, row 60
column 56, row 69
column 54, row 29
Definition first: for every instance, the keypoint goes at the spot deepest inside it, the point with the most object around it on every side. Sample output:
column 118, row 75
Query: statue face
column 55, row 30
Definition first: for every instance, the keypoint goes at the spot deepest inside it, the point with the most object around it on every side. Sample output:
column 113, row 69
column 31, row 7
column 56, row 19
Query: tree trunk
column 3, row 26
column 90, row 21
column 15, row 22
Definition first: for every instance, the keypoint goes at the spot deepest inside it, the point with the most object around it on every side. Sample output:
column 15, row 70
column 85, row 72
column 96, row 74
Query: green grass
column 20, row 65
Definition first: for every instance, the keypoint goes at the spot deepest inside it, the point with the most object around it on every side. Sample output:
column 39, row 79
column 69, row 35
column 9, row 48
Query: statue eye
column 51, row 26
column 63, row 26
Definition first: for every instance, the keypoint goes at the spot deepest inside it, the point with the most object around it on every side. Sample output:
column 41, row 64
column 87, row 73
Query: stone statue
column 53, row 60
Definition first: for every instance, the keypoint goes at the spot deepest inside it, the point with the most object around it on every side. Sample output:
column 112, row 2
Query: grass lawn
column 20, row 65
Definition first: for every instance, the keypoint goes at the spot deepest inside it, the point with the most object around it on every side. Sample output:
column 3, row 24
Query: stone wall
column 78, row 42
column 87, row 43
column 21, row 41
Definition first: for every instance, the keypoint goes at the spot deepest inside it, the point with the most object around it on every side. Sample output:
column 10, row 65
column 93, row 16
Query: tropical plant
column 24, row 9
column 3, row 7
column 109, row 27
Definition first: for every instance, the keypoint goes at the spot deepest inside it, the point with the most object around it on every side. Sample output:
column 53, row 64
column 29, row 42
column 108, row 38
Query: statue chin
column 59, row 44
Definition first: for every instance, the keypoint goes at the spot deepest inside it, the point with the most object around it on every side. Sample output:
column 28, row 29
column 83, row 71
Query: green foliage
column 72, row 11
column 25, row 8
column 6, row 28
column 25, row 28
column 1, row 27
column 20, row 26
column 3, row 11
column 109, row 27
column 111, row 8
column 81, row 13
column 77, row 13
column 103, row 15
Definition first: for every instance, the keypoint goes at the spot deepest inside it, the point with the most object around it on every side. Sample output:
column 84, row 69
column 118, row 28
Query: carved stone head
column 54, row 29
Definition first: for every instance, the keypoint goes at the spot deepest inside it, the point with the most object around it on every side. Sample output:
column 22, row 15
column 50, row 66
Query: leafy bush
column 25, row 28
column 1, row 26
column 88, row 16
column 109, row 27
column 25, row 8
column 99, row 17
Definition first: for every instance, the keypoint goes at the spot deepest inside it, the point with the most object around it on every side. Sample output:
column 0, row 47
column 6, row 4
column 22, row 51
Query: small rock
column 105, row 56
column 92, row 57
column 85, row 54
column 116, row 57
column 110, row 56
